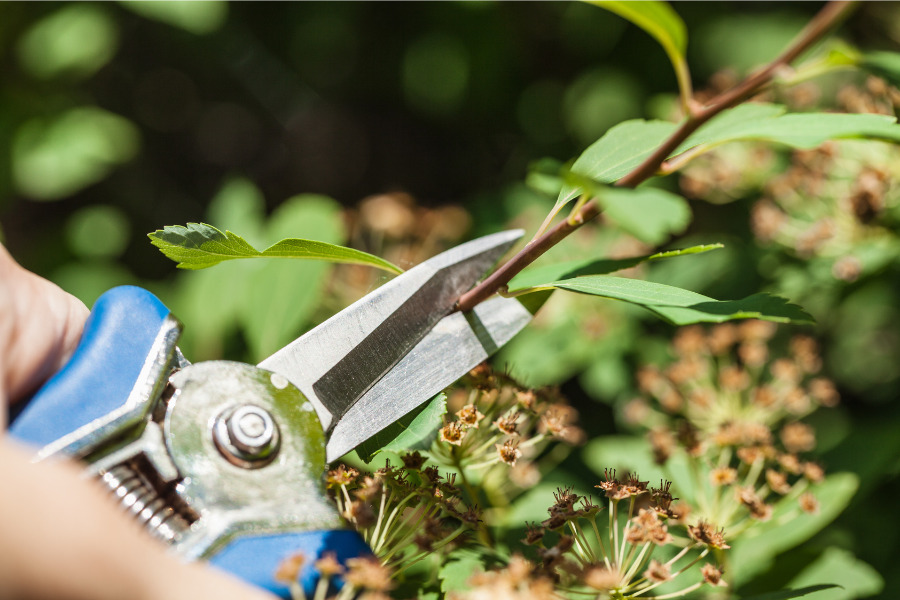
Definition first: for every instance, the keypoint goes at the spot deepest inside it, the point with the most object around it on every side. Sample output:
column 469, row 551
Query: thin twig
column 828, row 18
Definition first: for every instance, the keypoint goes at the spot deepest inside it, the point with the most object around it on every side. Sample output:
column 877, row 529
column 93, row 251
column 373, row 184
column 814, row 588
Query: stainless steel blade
column 457, row 344
column 338, row 361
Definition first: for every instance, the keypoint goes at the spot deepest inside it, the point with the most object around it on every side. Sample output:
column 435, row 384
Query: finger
column 61, row 537
column 40, row 326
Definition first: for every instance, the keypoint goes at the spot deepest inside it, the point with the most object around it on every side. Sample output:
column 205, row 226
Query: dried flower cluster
column 499, row 423
column 619, row 556
column 404, row 513
column 735, row 413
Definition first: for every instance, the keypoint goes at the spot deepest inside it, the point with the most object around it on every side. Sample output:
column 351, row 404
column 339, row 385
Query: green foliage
column 788, row 594
column 199, row 246
column 852, row 578
column 649, row 214
column 771, row 123
column 536, row 277
column 683, row 307
column 661, row 21
column 415, row 431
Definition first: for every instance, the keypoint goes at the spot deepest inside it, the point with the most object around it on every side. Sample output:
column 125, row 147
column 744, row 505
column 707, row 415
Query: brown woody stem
column 827, row 18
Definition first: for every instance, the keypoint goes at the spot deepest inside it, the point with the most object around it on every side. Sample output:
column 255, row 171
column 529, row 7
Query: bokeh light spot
column 54, row 158
column 98, row 231
column 76, row 40
column 195, row 17
column 435, row 73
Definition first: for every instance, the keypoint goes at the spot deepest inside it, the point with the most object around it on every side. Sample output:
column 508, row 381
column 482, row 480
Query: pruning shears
column 224, row 461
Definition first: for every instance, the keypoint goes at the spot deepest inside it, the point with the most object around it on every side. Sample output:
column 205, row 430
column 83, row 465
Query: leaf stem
column 827, row 18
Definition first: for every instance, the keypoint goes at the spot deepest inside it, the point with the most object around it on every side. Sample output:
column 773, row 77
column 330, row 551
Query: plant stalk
column 827, row 19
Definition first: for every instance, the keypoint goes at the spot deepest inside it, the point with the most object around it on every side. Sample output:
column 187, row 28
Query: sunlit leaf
column 753, row 554
column 197, row 17
column 198, row 246
column 680, row 306
column 649, row 214
column 76, row 40
column 415, row 431
column 619, row 151
column 628, row 144
column 661, row 21
column 771, row 123
column 789, row 594
column 54, row 158
column 852, row 577
column 538, row 276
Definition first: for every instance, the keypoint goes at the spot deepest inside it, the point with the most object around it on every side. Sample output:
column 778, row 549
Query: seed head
column 722, row 476
column 798, row 437
column 509, row 452
column 777, row 482
column 342, row 475
column 507, row 424
column 712, row 575
column 705, row 533
column 328, row 565
column 469, row 415
column 657, row 572
column 289, row 569
column 453, row 433
column 368, row 573
column 809, row 503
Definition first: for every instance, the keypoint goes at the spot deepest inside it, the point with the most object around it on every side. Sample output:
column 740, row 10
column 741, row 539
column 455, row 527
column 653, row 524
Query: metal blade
column 457, row 344
column 338, row 361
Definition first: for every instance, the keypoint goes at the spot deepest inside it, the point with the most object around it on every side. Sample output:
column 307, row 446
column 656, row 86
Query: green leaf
column 883, row 64
column 853, row 577
column 769, row 123
column 617, row 152
column 680, row 306
column 663, row 24
column 649, row 214
column 625, row 146
column 198, row 246
column 415, row 431
column 540, row 276
column 788, row 594
column 755, row 551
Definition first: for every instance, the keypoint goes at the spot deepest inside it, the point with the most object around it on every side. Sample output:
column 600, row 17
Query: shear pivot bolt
column 247, row 436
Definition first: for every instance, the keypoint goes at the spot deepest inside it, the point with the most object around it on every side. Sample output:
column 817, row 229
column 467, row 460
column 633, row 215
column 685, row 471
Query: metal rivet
column 246, row 435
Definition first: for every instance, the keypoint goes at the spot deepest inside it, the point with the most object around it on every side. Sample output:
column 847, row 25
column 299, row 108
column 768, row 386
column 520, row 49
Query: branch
column 828, row 18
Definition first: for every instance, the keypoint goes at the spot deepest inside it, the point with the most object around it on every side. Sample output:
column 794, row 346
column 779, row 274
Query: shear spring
column 140, row 498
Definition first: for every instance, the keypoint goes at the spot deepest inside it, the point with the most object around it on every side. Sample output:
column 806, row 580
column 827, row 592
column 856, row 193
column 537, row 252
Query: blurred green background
column 277, row 120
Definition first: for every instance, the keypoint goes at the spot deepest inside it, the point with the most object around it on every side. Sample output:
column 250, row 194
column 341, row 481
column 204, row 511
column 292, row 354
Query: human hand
column 61, row 537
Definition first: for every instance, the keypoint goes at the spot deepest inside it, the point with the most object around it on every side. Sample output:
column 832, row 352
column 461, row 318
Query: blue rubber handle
column 117, row 339
column 256, row 559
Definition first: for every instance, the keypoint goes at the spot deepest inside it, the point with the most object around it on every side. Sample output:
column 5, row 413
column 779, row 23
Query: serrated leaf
column 663, row 24
column 788, row 594
column 415, row 431
column 682, row 307
column 540, row 276
column 198, row 246
column 649, row 214
column 617, row 152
